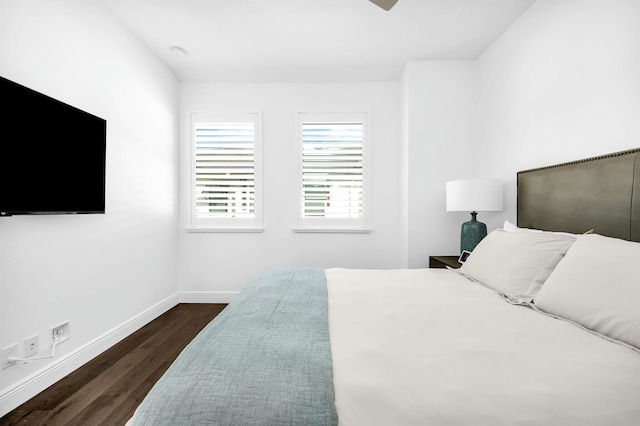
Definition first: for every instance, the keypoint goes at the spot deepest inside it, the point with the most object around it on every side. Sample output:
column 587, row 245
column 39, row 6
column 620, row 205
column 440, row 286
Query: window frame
column 327, row 224
column 227, row 224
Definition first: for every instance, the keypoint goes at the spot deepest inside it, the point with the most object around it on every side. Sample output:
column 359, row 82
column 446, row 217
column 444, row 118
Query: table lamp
column 474, row 195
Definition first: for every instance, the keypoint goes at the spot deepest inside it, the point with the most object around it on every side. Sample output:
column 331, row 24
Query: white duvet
column 429, row 347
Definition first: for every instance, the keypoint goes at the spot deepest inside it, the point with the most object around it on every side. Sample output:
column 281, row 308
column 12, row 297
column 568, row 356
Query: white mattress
column 428, row 346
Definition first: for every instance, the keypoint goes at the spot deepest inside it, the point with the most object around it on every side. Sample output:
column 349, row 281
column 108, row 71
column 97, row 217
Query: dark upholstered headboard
column 600, row 193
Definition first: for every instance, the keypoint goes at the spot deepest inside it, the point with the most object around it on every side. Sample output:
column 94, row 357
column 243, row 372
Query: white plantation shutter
column 332, row 170
column 225, row 174
column 225, row 170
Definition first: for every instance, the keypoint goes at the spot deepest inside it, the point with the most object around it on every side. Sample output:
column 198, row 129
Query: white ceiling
column 311, row 40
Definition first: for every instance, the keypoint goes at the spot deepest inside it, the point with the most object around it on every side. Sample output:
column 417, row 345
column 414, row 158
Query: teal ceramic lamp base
column 472, row 233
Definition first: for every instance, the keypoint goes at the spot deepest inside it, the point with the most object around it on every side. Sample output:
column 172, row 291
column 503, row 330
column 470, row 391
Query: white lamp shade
column 480, row 194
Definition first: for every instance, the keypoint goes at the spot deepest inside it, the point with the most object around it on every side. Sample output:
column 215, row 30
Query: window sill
column 333, row 230
column 224, row 230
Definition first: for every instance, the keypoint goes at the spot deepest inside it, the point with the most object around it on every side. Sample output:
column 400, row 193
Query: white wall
column 440, row 144
column 100, row 272
column 563, row 83
column 214, row 263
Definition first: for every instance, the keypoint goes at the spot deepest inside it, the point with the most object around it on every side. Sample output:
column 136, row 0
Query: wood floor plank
column 128, row 368
column 95, row 381
column 52, row 397
column 108, row 389
column 115, row 394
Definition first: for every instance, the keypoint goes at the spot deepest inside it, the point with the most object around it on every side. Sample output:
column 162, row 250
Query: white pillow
column 597, row 285
column 516, row 264
column 510, row 227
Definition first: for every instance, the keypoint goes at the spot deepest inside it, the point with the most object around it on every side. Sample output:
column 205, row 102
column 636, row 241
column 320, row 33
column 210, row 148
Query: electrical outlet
column 31, row 345
column 7, row 352
column 60, row 332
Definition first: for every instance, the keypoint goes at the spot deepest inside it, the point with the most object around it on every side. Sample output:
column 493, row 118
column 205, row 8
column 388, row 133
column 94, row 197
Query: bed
column 540, row 326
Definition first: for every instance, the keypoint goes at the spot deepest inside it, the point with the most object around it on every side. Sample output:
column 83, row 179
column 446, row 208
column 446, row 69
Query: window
column 225, row 178
column 333, row 165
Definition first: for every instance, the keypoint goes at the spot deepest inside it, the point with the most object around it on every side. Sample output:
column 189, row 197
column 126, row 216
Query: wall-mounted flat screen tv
column 52, row 155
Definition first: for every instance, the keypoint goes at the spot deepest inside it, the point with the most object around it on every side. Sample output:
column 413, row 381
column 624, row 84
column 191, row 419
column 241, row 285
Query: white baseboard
column 207, row 296
column 20, row 392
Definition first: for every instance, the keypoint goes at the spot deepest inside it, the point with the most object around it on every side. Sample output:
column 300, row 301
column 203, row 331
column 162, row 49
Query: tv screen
column 52, row 155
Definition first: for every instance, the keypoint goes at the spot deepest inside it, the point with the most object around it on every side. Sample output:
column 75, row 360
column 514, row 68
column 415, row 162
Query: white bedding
column 430, row 347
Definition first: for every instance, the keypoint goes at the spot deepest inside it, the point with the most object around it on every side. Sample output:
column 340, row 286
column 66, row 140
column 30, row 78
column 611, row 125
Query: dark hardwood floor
column 108, row 389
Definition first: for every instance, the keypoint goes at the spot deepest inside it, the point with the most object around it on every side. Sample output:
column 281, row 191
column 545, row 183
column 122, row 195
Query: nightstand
column 444, row 261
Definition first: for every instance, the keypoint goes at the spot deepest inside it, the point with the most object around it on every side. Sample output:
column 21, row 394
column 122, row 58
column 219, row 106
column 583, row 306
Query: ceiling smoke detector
column 178, row 51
